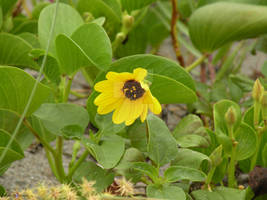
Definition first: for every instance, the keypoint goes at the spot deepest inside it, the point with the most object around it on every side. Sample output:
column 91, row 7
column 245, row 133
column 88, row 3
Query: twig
column 211, row 70
column 17, row 9
column 174, row 33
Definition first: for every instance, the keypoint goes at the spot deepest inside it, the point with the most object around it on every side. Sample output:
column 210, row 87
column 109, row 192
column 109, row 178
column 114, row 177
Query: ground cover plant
column 121, row 138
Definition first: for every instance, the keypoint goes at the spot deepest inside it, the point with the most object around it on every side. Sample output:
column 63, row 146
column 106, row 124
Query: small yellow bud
column 230, row 116
column 257, row 91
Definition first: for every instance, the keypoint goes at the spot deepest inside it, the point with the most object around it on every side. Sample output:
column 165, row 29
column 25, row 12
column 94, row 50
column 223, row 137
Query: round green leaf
column 65, row 12
column 233, row 20
column 15, row 90
column 56, row 117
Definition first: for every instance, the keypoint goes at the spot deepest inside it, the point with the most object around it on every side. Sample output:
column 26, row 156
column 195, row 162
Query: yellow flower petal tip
column 128, row 95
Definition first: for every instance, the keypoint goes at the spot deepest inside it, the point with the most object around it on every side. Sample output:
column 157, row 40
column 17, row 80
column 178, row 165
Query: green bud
column 263, row 102
column 88, row 17
column 128, row 21
column 230, row 116
column 257, row 91
column 216, row 156
column 120, row 37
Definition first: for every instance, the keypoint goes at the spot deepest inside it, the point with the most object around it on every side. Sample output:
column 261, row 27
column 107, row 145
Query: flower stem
column 258, row 144
column 231, row 167
column 196, row 63
column 58, row 159
column 209, row 177
column 77, row 164
column 51, row 163
column 66, row 91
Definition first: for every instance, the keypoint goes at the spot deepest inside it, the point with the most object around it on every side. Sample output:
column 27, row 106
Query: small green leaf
column 108, row 152
column 31, row 39
column 162, row 147
column 92, row 172
column 235, row 22
column 190, row 132
column 55, row 117
column 165, row 192
column 72, row 132
column 177, row 173
column 61, row 27
column 189, row 158
column 146, row 169
column 2, row 191
column 102, row 8
column 16, row 87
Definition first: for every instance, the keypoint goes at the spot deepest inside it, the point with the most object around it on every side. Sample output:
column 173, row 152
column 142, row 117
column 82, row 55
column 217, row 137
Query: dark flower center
column 132, row 90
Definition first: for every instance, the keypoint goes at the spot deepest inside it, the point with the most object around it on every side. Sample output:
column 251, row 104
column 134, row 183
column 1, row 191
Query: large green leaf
column 131, row 5
column 170, row 83
column 235, row 22
column 15, row 51
column 108, row 152
column 92, row 172
column 165, row 192
column 74, row 20
column 14, row 152
column 89, row 46
column 162, row 147
column 56, row 117
column 16, row 87
column 8, row 122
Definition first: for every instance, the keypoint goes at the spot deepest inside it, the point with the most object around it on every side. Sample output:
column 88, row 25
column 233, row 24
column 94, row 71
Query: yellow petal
column 105, row 109
column 152, row 102
column 103, row 86
column 104, row 98
column 122, row 112
column 119, row 77
column 140, row 74
column 144, row 113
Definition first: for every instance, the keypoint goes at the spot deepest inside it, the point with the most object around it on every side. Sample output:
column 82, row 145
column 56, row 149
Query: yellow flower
column 127, row 95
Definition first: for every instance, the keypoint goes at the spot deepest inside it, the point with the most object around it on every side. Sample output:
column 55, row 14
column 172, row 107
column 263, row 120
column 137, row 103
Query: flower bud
column 257, row 91
column 263, row 102
column 128, row 21
column 230, row 116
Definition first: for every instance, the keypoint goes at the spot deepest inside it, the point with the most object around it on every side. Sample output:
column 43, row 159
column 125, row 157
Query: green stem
column 78, row 163
column 67, row 89
column 58, row 159
column 87, row 77
column 196, row 63
column 231, row 167
column 255, row 156
column 210, row 175
column 42, row 141
column 257, row 108
column 51, row 162
column 79, row 95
